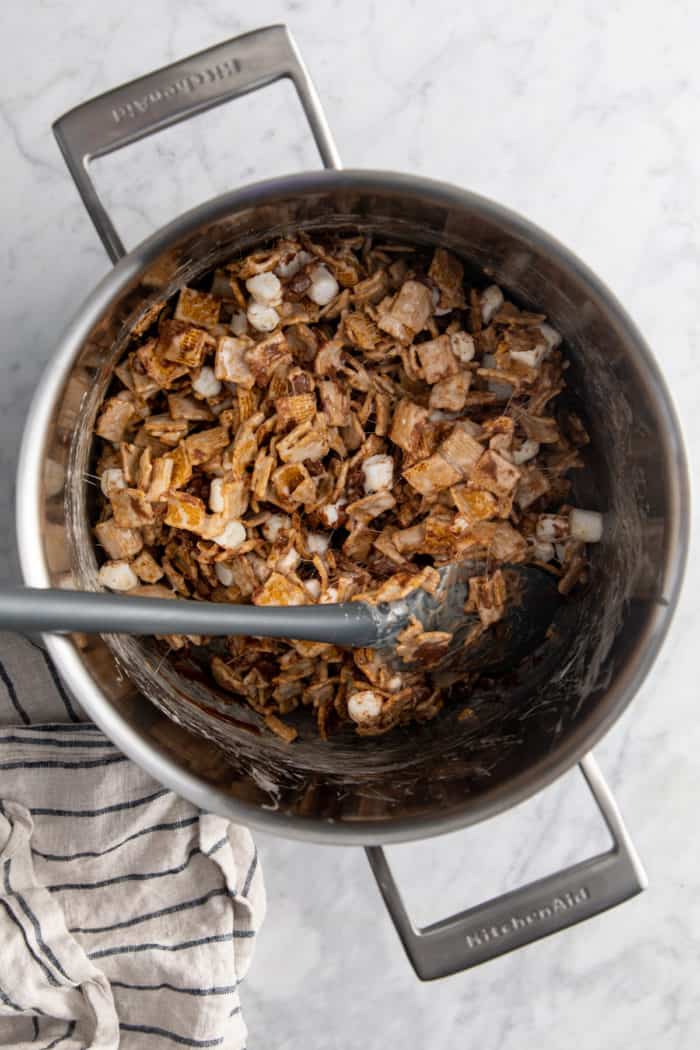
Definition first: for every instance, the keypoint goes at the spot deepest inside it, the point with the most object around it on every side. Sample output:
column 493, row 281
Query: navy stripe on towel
column 131, row 804
column 217, row 846
column 223, row 989
column 170, row 825
column 249, row 876
column 171, row 910
column 63, row 727
column 67, row 1034
column 41, row 943
column 12, row 693
column 4, row 998
column 51, row 763
column 182, row 1040
column 129, row 949
column 60, row 689
column 51, row 742
column 49, row 976
column 141, row 876
column 39, row 939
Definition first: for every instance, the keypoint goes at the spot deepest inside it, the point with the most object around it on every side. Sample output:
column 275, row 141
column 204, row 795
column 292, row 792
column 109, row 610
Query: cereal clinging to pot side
column 328, row 419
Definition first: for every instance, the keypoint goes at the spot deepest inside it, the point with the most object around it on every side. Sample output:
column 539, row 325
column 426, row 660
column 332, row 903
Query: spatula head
column 531, row 603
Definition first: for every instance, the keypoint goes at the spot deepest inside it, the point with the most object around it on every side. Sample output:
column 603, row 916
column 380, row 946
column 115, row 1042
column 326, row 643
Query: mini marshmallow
column 586, row 525
column 230, row 363
column 232, row 536
column 289, row 561
column 551, row 337
column 330, row 513
column 112, row 480
column 216, row 496
column 462, row 346
column 527, row 451
column 551, row 528
column 330, row 596
column 491, row 302
column 317, row 542
column 290, row 266
column 313, row 587
column 274, row 525
column 324, row 286
column 263, row 318
column 364, row 707
column 259, row 566
column 378, row 472
column 206, row 384
column 224, row 573
column 117, row 576
column 531, row 358
column 265, row 288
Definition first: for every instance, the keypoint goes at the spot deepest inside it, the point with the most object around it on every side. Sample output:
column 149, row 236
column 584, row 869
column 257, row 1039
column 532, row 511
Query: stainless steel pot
column 447, row 775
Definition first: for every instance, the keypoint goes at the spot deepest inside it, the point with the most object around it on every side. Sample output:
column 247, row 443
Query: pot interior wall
column 448, row 765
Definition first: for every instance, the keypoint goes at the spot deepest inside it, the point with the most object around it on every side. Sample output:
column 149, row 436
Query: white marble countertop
column 584, row 118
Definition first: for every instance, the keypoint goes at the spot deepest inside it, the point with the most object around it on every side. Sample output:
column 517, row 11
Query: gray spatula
column 532, row 601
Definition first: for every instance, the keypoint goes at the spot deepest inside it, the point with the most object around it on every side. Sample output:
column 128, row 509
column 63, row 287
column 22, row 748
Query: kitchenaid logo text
column 186, row 85
column 566, row 902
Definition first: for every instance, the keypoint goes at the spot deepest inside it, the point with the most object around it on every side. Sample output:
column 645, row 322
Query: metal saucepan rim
column 155, row 760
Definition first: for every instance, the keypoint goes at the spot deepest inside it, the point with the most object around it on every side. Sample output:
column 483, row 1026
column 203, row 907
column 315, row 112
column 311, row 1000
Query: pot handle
column 176, row 92
column 526, row 914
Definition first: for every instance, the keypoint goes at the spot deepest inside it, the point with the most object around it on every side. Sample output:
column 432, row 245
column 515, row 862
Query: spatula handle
column 56, row 611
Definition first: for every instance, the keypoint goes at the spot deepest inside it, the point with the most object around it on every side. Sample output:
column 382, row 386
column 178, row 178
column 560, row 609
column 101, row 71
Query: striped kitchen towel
column 127, row 916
